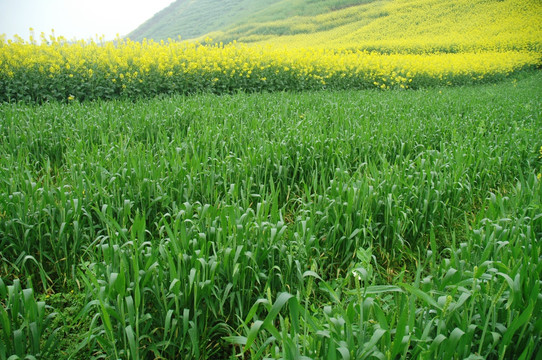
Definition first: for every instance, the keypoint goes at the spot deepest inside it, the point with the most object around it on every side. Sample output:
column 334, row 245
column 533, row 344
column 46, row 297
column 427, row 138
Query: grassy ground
column 345, row 224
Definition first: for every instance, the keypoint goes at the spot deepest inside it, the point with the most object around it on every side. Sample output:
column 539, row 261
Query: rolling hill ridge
column 383, row 25
column 193, row 18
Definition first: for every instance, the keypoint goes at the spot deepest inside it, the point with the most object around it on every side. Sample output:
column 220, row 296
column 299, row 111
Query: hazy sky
column 76, row 18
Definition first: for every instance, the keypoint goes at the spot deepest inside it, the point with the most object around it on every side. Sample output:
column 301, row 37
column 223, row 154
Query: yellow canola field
column 56, row 69
column 408, row 26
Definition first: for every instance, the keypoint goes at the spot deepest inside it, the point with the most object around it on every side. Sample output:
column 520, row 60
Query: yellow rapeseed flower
column 177, row 64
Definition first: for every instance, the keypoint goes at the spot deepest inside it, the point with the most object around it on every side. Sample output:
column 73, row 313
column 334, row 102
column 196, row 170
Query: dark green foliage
column 24, row 324
column 400, row 224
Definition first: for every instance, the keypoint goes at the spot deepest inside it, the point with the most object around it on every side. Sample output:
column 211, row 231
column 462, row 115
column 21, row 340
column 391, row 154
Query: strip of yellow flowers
column 410, row 26
column 57, row 69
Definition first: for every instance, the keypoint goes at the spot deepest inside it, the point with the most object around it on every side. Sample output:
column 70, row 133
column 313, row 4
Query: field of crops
column 420, row 26
column 381, row 44
column 352, row 180
column 323, row 225
column 62, row 71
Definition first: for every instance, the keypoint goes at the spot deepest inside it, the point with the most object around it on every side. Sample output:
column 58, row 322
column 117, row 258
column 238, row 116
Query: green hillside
column 413, row 26
column 195, row 18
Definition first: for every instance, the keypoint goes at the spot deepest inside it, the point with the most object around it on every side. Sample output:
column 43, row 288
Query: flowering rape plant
column 406, row 26
column 56, row 69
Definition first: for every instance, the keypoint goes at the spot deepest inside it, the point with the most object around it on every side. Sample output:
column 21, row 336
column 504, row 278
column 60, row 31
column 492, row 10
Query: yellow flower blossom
column 130, row 65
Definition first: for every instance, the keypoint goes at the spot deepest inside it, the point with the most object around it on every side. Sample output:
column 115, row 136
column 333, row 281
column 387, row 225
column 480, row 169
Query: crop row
column 58, row 70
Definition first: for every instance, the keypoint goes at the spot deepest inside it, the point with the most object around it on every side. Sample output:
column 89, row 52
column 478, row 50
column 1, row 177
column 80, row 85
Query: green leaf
column 238, row 340
column 345, row 354
column 516, row 324
column 400, row 330
column 421, row 295
column 253, row 332
column 134, row 354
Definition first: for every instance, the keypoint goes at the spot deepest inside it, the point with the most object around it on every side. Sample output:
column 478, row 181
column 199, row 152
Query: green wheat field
column 324, row 225
column 276, row 179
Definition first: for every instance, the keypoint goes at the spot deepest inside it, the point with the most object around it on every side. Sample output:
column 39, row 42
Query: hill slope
column 194, row 18
column 405, row 25
column 383, row 25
